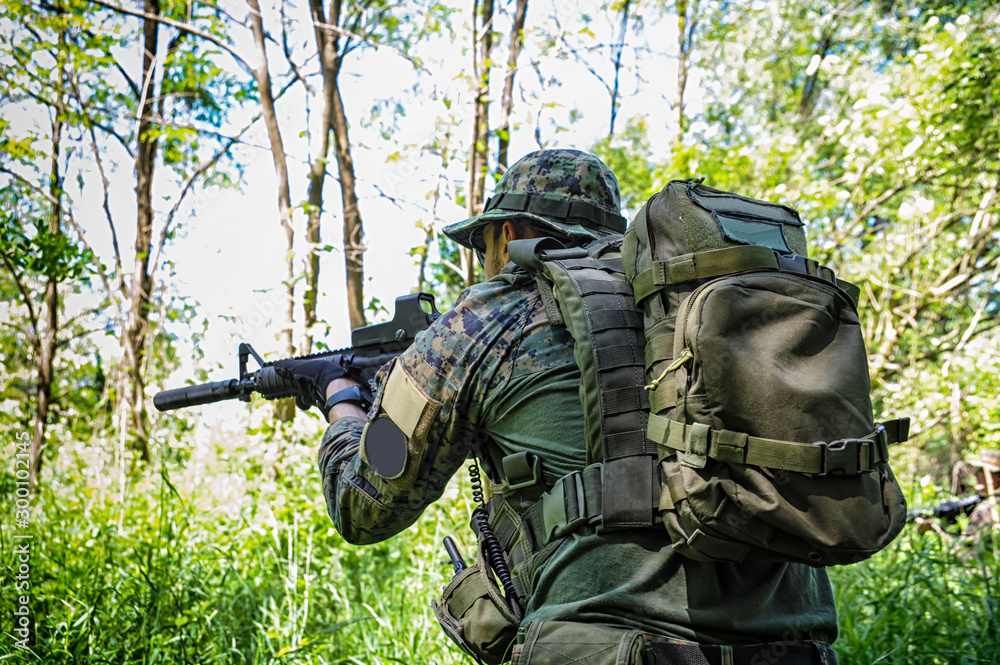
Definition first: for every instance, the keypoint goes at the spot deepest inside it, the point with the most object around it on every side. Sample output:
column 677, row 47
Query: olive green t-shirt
column 495, row 365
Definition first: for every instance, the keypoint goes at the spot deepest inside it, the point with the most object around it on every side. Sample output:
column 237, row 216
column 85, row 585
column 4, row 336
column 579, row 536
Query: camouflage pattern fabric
column 570, row 193
column 496, row 337
column 500, row 369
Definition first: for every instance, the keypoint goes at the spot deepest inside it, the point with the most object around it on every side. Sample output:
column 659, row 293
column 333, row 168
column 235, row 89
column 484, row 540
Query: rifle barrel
column 203, row 393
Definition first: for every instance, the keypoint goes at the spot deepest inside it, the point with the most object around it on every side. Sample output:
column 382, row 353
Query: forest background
column 178, row 176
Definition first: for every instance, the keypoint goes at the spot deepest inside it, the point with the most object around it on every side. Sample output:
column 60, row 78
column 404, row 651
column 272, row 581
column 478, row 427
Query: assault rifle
column 371, row 347
column 946, row 510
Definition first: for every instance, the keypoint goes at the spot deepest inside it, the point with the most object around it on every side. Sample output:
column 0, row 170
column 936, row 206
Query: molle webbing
column 596, row 303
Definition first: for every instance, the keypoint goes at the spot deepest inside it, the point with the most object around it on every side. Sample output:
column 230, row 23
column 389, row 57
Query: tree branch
column 202, row 168
column 32, row 317
column 341, row 32
column 76, row 225
column 104, row 178
column 184, row 27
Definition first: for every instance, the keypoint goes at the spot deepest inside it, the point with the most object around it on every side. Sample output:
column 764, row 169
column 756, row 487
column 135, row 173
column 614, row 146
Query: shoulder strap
column 595, row 301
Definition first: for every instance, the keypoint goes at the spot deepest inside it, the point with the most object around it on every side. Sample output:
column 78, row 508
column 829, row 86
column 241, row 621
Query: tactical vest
column 725, row 393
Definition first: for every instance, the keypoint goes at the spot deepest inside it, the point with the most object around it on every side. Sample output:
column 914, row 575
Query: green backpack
column 725, row 388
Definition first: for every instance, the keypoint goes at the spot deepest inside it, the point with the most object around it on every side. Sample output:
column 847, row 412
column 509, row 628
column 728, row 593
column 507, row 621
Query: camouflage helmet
column 568, row 192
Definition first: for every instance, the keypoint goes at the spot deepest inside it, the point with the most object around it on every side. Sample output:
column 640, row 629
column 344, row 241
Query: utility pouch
column 572, row 643
column 475, row 615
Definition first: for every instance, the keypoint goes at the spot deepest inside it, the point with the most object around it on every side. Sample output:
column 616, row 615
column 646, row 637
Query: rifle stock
column 372, row 347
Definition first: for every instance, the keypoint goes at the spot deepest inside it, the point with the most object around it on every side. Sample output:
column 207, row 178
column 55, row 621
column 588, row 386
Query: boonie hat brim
column 570, row 193
column 464, row 232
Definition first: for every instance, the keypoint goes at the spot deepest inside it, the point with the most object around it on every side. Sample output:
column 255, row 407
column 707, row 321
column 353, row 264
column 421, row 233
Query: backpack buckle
column 564, row 507
column 522, row 470
column 841, row 457
column 794, row 263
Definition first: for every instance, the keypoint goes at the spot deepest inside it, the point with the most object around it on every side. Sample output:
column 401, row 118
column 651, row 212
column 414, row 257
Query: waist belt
column 776, row 653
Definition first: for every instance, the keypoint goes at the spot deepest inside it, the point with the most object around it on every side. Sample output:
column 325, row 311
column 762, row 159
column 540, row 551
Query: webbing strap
column 609, row 265
column 663, row 397
column 574, row 500
column 558, row 207
column 589, row 286
column 847, row 456
column 716, row 262
column 659, row 348
column 778, row 653
column 897, row 430
column 549, row 301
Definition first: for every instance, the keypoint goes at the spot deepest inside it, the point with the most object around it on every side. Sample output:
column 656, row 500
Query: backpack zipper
column 687, row 354
column 688, row 306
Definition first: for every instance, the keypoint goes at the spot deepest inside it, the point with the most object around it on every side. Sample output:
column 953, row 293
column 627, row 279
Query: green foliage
column 226, row 565
column 920, row 602
column 628, row 156
column 34, row 250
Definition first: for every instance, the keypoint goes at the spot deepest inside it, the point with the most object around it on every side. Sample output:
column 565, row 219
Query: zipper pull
column 685, row 356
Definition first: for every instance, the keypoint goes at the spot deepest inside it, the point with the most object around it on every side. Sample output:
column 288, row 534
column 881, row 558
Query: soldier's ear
column 513, row 230
column 510, row 231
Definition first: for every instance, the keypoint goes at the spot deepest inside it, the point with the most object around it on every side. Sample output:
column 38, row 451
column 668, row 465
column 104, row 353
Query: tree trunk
column 47, row 346
column 141, row 286
column 685, row 41
column 507, row 101
column 326, row 47
column 335, row 120
column 354, row 235
column 619, row 47
column 263, row 76
column 284, row 409
column 480, row 132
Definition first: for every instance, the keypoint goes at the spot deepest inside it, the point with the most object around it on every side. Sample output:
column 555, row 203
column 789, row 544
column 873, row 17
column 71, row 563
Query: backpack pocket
column 771, row 451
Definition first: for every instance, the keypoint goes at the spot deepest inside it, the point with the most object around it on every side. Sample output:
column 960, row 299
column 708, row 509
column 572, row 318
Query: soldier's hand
column 313, row 376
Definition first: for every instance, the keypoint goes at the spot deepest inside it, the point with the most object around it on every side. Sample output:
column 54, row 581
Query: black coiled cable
column 476, row 480
column 491, row 544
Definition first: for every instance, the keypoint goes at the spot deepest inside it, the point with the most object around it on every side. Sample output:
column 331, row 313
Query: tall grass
column 922, row 601
column 232, row 562
column 226, row 555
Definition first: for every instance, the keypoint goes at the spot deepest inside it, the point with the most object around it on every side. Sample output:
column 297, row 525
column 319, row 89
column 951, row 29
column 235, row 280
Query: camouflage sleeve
column 447, row 372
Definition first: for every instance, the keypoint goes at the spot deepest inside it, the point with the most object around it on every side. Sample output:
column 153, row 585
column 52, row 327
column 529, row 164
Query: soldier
column 987, row 485
column 985, row 475
column 495, row 377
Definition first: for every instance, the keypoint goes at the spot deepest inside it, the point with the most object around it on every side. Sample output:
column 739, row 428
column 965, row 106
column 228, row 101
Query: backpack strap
column 596, row 303
column 696, row 443
column 729, row 260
